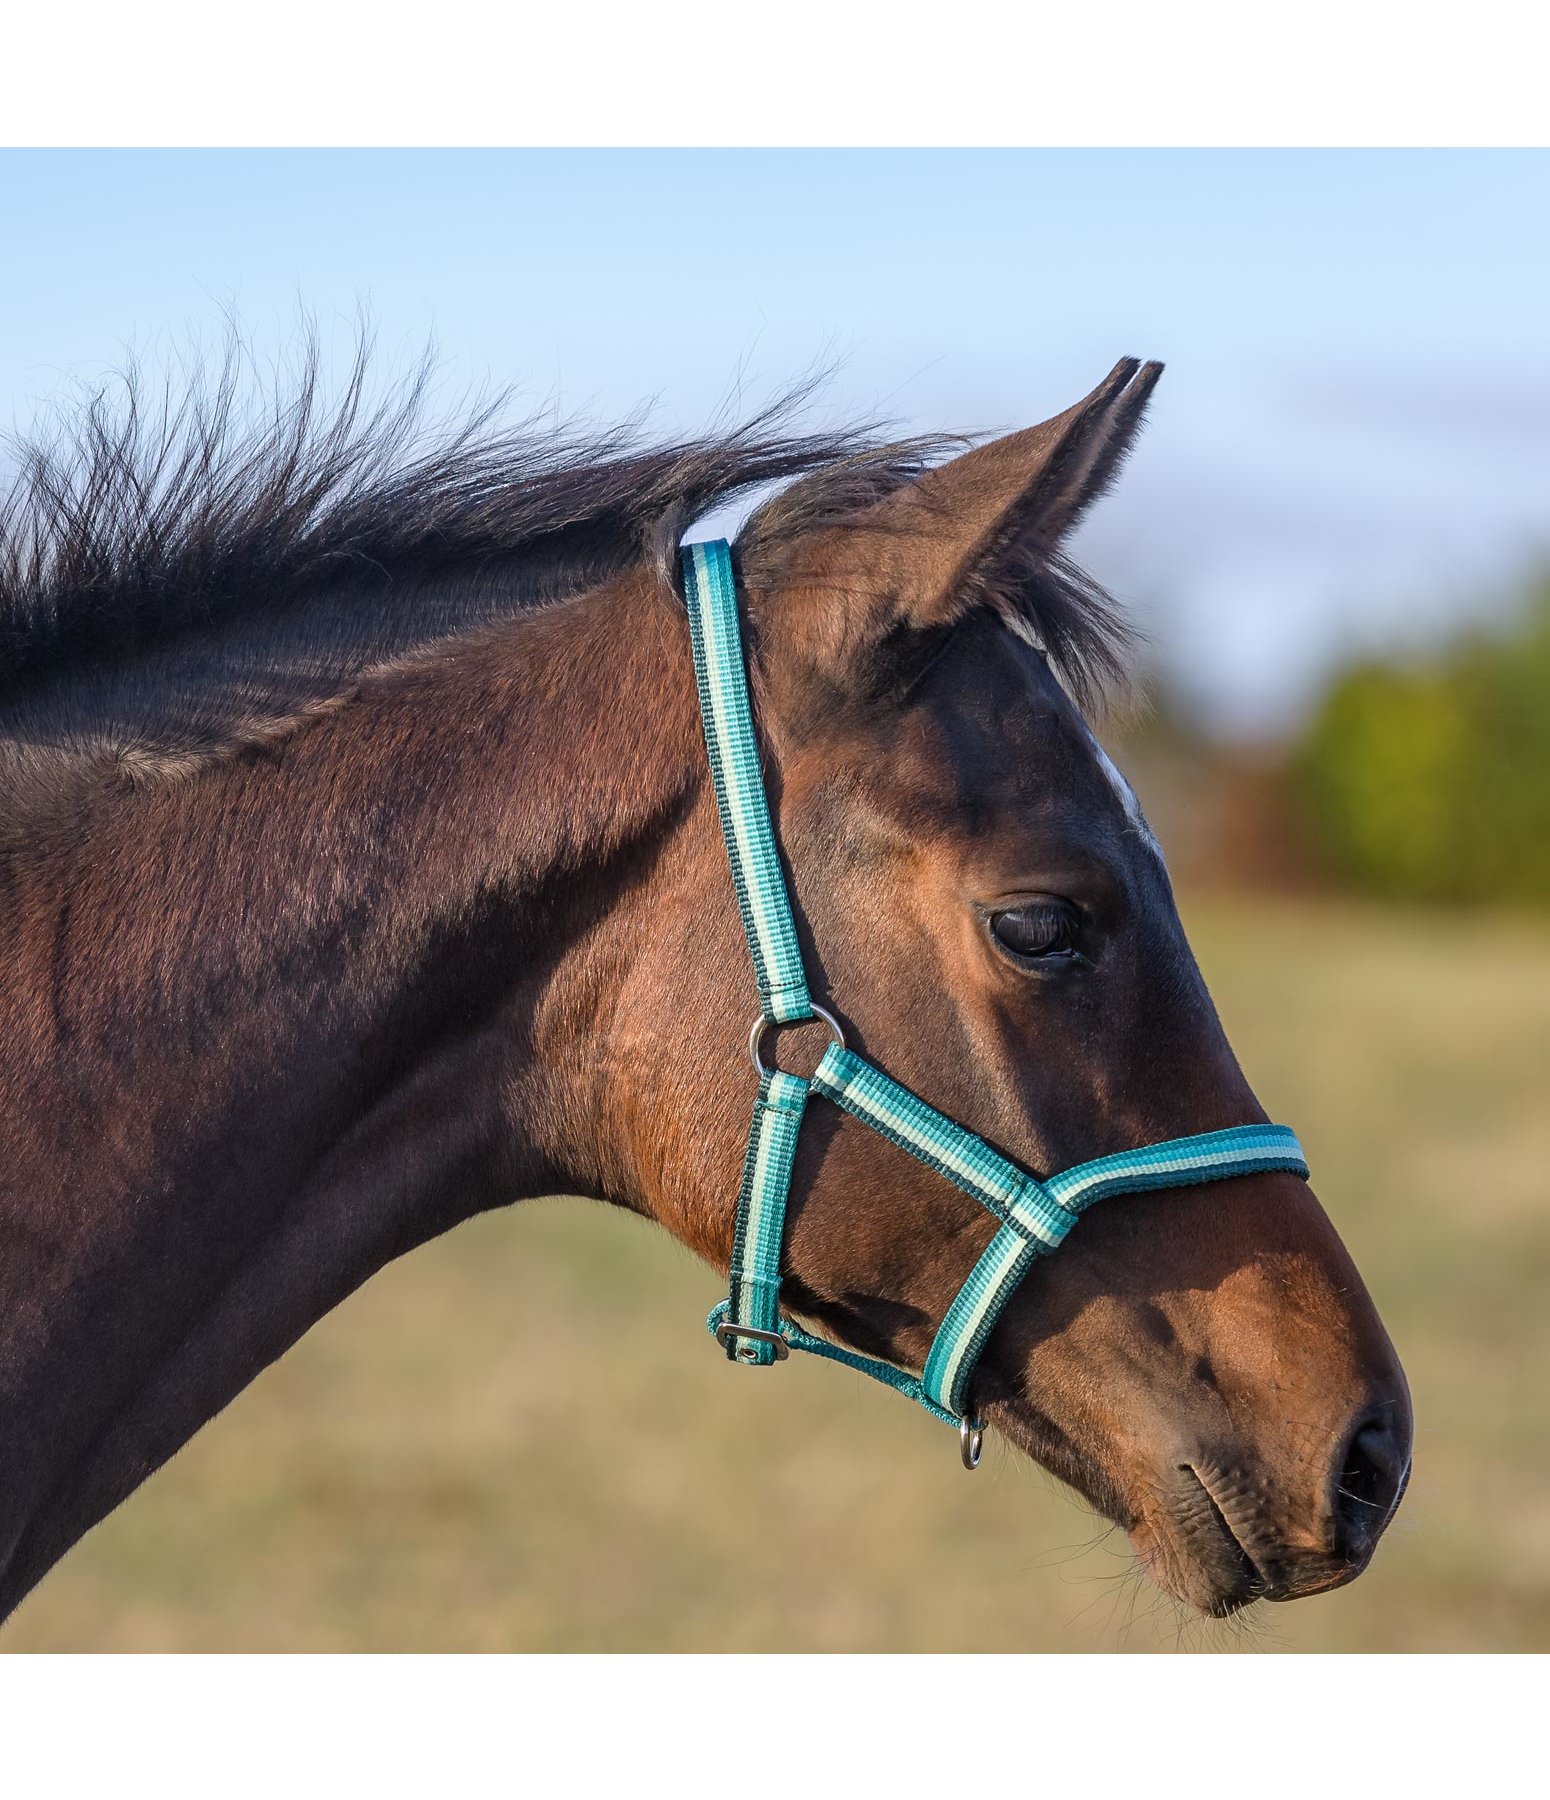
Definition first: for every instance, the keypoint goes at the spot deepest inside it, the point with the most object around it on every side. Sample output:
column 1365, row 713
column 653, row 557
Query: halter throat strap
column 1033, row 1215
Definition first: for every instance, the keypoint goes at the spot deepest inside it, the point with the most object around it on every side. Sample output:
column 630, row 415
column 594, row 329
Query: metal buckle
column 727, row 1333
column 971, row 1440
column 762, row 1025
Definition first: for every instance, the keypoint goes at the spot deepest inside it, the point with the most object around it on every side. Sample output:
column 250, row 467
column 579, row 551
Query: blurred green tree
column 1433, row 781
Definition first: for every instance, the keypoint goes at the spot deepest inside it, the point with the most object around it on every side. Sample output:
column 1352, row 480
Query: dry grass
column 520, row 1438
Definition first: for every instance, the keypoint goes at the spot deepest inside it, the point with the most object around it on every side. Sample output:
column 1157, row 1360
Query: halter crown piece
column 1033, row 1214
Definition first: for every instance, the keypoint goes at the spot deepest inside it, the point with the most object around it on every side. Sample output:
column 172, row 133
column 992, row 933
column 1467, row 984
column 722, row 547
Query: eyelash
column 1051, row 932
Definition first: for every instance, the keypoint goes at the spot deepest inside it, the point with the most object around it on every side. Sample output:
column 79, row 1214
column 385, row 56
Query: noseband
column 1033, row 1214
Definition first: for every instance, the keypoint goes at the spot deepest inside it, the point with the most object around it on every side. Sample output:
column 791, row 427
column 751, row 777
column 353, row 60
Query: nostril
column 1367, row 1486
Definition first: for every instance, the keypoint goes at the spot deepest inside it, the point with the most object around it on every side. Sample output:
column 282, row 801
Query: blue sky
column 1351, row 446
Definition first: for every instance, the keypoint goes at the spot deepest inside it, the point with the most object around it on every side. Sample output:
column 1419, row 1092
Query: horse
column 360, row 872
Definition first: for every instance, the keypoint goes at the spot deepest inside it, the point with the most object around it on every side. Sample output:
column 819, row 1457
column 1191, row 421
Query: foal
column 359, row 871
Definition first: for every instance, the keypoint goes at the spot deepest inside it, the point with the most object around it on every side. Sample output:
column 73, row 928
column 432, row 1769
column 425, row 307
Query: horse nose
column 1369, row 1480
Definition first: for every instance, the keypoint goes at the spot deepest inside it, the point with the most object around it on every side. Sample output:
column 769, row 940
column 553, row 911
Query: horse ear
column 871, row 601
column 1020, row 497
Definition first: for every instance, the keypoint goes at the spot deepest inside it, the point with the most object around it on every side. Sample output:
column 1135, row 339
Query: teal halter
column 1033, row 1215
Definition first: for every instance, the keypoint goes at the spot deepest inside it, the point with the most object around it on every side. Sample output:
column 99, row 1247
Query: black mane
column 131, row 525
column 181, row 575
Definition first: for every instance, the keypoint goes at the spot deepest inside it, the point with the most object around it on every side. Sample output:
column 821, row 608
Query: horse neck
column 274, row 1024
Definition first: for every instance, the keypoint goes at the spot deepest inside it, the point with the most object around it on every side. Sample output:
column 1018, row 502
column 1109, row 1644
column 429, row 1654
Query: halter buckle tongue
column 731, row 1334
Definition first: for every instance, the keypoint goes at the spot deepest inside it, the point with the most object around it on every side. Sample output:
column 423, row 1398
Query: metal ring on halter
column 762, row 1025
column 971, row 1440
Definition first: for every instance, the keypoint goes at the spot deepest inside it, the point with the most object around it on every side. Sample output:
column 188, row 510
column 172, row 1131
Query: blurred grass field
column 519, row 1438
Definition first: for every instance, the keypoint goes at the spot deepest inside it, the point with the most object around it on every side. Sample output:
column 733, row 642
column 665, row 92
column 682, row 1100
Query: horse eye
column 1041, row 930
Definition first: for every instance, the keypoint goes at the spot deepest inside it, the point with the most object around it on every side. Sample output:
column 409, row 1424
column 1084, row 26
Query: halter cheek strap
column 1033, row 1215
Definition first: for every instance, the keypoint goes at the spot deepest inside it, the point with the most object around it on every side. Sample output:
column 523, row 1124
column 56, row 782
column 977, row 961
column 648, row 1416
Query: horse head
column 980, row 900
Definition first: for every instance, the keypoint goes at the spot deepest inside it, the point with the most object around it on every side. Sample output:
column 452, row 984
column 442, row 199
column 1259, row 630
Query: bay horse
column 360, row 871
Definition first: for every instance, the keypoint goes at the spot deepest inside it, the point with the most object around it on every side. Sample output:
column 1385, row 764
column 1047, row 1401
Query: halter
column 1033, row 1214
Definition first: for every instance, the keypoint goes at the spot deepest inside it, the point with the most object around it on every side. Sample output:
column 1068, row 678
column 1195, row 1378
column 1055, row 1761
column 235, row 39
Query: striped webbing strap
column 739, row 782
column 1032, row 1215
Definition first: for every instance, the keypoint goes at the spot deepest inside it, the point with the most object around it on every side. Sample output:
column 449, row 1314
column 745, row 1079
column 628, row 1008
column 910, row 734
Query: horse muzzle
column 1229, row 1529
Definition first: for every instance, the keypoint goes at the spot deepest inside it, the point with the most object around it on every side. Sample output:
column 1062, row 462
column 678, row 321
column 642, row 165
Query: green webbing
column 739, row 782
column 761, row 1211
column 1033, row 1214
column 911, row 1386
